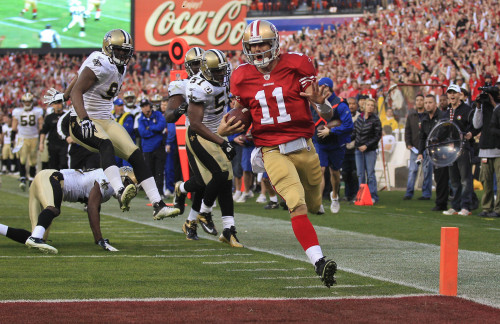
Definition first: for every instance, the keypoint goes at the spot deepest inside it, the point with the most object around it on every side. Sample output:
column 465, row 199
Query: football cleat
column 326, row 271
column 125, row 196
column 272, row 205
column 38, row 243
column 179, row 197
column 321, row 210
column 161, row 211
column 22, row 183
column 207, row 223
column 229, row 236
column 189, row 228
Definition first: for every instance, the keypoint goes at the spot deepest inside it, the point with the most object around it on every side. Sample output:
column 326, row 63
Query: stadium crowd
column 409, row 42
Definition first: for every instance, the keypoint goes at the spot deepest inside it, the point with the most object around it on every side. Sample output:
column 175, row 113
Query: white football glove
column 88, row 128
column 104, row 243
column 52, row 96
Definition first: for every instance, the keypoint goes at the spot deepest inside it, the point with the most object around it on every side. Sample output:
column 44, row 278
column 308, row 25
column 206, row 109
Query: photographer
column 461, row 170
column 489, row 150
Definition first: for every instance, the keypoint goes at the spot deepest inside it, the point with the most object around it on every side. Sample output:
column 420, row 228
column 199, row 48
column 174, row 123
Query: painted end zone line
column 205, row 299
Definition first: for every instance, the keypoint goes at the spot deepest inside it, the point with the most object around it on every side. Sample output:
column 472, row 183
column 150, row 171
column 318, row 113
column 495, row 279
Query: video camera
column 488, row 89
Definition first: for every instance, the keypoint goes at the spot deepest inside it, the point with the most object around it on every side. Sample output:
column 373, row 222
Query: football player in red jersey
column 278, row 88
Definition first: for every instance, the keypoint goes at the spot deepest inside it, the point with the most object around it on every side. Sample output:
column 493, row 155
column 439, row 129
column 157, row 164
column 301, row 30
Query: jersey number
column 266, row 117
column 28, row 120
column 113, row 89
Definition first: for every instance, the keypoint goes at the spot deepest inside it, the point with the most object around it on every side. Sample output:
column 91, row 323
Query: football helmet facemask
column 118, row 45
column 192, row 60
column 215, row 67
column 129, row 98
column 27, row 100
column 261, row 31
column 128, row 176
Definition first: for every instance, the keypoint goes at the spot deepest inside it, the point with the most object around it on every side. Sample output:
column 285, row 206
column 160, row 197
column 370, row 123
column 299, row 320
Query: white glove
column 88, row 128
column 52, row 96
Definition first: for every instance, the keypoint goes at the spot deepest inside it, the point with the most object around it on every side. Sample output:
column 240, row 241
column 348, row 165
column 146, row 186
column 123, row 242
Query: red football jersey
column 280, row 114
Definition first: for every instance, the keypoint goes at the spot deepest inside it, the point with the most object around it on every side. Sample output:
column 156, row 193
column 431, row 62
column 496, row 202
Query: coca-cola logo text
column 189, row 25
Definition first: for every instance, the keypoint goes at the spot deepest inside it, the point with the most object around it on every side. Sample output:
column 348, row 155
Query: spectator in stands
column 433, row 116
column 389, row 120
column 151, row 127
column 367, row 133
column 412, row 136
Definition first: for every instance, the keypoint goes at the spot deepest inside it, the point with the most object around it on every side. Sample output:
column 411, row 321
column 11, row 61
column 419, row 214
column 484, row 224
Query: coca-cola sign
column 205, row 23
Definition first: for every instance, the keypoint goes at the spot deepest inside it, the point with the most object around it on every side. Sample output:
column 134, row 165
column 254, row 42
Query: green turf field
column 22, row 31
column 385, row 250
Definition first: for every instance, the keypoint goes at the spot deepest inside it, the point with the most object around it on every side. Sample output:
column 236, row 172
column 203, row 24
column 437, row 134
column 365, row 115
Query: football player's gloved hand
column 88, row 128
column 52, row 96
column 104, row 243
column 181, row 110
column 228, row 149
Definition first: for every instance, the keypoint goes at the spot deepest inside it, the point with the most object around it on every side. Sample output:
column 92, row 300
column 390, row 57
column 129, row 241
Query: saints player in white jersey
column 209, row 154
column 47, row 192
column 77, row 11
column 92, row 125
column 27, row 123
column 8, row 158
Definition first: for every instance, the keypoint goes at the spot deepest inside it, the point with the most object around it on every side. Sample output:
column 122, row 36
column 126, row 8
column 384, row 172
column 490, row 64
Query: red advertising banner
column 205, row 23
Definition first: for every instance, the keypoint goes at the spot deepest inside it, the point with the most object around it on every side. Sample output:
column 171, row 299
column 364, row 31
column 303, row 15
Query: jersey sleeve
column 94, row 63
column 235, row 84
column 198, row 92
column 177, row 88
column 305, row 69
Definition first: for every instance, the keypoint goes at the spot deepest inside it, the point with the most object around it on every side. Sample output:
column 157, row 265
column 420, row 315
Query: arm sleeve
column 128, row 124
column 171, row 133
column 143, row 132
column 160, row 124
column 407, row 131
column 46, row 125
column 306, row 71
column 495, row 122
column 346, row 125
column 477, row 119
column 377, row 132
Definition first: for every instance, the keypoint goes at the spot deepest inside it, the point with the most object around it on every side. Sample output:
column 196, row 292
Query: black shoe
column 493, row 214
column 484, row 213
column 424, row 198
column 437, row 208
column 179, row 197
column 229, row 236
column 407, row 198
column 189, row 228
column 283, row 204
column 207, row 223
column 272, row 205
column 326, row 271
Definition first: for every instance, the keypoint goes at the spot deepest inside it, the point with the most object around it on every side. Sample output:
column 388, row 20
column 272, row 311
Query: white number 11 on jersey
column 266, row 117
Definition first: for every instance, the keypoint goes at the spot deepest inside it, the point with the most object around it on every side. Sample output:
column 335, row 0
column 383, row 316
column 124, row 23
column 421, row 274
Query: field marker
column 448, row 269
column 240, row 262
column 333, row 287
column 253, row 270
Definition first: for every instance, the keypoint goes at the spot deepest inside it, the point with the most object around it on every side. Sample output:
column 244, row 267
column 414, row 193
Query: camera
column 488, row 89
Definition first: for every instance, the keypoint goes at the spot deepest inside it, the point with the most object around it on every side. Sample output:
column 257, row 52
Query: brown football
column 242, row 114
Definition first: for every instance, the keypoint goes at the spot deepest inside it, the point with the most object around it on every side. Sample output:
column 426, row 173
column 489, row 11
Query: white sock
column 262, row 196
column 237, row 192
column 274, row 198
column 149, row 186
column 38, row 231
column 204, row 208
column 3, row 229
column 113, row 175
column 181, row 187
column 314, row 253
column 227, row 221
column 193, row 215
